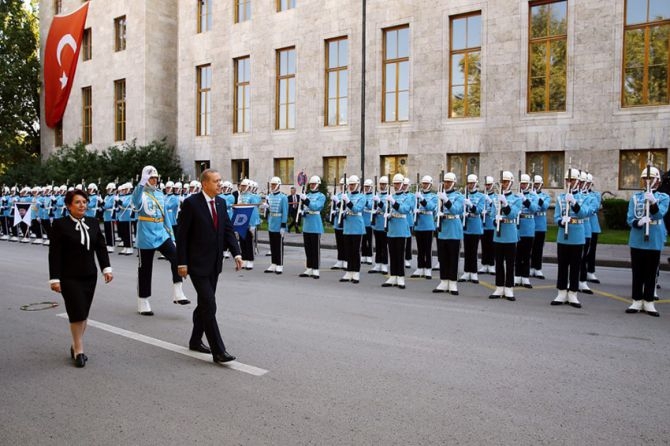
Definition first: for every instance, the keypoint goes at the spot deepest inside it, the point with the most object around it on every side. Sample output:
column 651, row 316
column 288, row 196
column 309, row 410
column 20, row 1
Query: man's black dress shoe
column 202, row 348
column 80, row 360
column 223, row 357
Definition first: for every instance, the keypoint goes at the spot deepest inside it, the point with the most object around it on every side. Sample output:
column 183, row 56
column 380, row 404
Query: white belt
column 540, row 214
column 355, row 214
column 275, row 214
column 313, row 212
column 394, row 215
column 526, row 216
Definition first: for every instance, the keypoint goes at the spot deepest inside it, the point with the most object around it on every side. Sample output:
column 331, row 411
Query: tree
column 19, row 88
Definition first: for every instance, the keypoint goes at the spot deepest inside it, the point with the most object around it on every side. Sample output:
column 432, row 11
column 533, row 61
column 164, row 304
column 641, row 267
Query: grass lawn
column 607, row 237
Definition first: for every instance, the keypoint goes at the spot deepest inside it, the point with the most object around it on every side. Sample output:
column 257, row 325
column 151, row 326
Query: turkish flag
column 61, row 53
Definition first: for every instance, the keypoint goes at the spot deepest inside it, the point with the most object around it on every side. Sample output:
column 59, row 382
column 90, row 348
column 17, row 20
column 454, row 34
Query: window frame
column 279, row 79
column 463, row 172
column 120, row 30
column 87, row 115
column 247, row 14
column 207, row 91
column 338, row 70
column 546, row 167
column 245, row 85
column 120, row 110
column 204, row 11
column 397, row 61
column 399, row 161
column 340, row 168
column 286, row 178
column 466, row 53
column 290, row 4
column 58, row 134
column 642, row 164
column 58, row 6
column 87, row 45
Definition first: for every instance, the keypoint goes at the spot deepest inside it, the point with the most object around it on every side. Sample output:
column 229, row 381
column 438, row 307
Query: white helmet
column 254, row 186
column 169, row 184
column 71, row 188
column 488, row 180
column 653, row 173
column 63, row 188
column 36, row 190
column 525, row 178
column 507, row 176
column 110, row 186
column 472, row 178
column 589, row 178
column 571, row 173
column 125, row 186
column 314, row 179
column 537, row 179
column 178, row 185
column 341, row 181
column 149, row 171
column 196, row 184
column 368, row 183
column 79, row 187
column 275, row 180
column 245, row 183
column 227, row 186
column 398, row 178
column 92, row 186
column 5, row 190
column 384, row 180
column 449, row 176
column 427, row 179
column 353, row 179
column 583, row 176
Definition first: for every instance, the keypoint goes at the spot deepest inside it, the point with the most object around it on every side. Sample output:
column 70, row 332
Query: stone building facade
column 182, row 66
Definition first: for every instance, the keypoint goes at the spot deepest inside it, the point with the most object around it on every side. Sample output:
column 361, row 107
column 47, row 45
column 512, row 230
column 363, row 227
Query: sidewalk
column 617, row 256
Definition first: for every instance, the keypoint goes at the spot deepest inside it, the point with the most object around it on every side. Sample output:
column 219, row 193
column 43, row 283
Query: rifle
column 440, row 213
column 340, row 215
column 373, row 216
column 331, row 214
column 568, row 189
column 466, row 193
column 499, row 205
column 518, row 216
column 387, row 211
column 646, row 202
column 300, row 208
column 416, row 199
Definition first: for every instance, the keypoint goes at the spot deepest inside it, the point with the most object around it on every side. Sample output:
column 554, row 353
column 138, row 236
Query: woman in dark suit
column 72, row 270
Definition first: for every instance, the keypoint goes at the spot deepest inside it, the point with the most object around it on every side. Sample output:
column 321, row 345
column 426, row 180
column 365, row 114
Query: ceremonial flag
column 22, row 213
column 241, row 217
column 61, row 53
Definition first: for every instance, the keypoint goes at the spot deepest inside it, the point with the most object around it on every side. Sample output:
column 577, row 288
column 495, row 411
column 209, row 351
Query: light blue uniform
column 60, row 210
column 108, row 206
column 311, row 218
column 508, row 229
column 124, row 210
column 94, row 203
column 45, row 207
column 588, row 201
column 597, row 203
column 529, row 208
column 473, row 217
column 250, row 198
column 230, row 201
column 425, row 219
column 379, row 212
column 172, row 208
column 489, row 211
column 152, row 229
column 451, row 225
column 398, row 225
column 657, row 230
column 353, row 219
column 336, row 220
column 576, row 234
column 368, row 210
column 543, row 202
column 410, row 216
column 278, row 211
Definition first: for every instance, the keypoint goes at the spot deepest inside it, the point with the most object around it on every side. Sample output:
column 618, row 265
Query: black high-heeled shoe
column 80, row 360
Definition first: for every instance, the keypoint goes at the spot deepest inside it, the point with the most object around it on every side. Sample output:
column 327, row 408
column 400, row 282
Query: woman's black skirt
column 78, row 296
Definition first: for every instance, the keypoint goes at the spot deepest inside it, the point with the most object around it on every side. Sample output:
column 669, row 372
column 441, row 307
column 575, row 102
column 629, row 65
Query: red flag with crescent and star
column 61, row 53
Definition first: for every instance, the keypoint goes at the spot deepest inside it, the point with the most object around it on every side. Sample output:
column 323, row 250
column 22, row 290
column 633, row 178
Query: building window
column 337, row 74
column 58, row 134
column 646, row 48
column 465, row 66
column 203, row 101
column 334, row 168
column 242, row 10
column 120, row 110
column 87, row 45
column 86, row 115
column 549, row 165
column 204, row 15
column 547, row 56
column 201, row 166
column 285, row 90
column 283, row 5
column 239, row 169
column 392, row 164
column 284, row 169
column 463, row 164
column 242, row 96
column 58, row 6
column 395, row 75
column 632, row 162
column 120, row 33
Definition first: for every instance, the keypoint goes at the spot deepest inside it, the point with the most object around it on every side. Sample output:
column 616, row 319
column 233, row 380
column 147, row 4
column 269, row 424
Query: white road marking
column 235, row 365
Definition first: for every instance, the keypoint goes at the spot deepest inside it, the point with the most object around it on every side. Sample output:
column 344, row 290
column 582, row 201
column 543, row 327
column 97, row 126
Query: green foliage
column 19, row 89
column 615, row 210
column 72, row 164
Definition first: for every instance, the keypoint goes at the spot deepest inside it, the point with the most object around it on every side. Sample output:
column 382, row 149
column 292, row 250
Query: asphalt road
column 346, row 364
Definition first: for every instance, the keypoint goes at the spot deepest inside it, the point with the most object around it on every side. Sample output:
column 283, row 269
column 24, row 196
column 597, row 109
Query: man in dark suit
column 293, row 201
column 205, row 232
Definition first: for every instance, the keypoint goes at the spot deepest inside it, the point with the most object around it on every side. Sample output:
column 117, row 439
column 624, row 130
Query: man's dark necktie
column 215, row 217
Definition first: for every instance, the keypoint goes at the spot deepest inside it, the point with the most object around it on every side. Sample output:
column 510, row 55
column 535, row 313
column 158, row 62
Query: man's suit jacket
column 199, row 245
column 68, row 258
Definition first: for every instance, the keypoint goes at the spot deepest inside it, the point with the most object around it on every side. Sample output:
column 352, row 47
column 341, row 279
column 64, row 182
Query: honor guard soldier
column 179, row 195
column 543, row 202
column 4, row 213
column 109, row 216
column 425, row 204
column 171, row 205
column 397, row 207
column 449, row 234
column 366, row 244
column 353, row 229
column 338, row 228
column 226, row 193
column 595, row 230
column 526, row 228
column 647, row 237
column 153, row 234
column 45, row 213
column 473, row 228
column 569, row 215
column 312, row 226
column 60, row 210
column 488, row 251
column 94, row 201
column 35, row 226
column 124, row 217
column 410, row 220
column 379, row 228
column 277, row 220
column 246, row 197
column 588, row 202
column 505, row 237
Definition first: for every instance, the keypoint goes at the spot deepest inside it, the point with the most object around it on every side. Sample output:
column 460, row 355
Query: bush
column 73, row 163
column 615, row 210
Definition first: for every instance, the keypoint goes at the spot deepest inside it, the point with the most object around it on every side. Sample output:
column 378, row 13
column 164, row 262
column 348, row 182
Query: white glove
column 565, row 220
column 252, row 228
column 418, row 195
column 443, row 196
column 376, row 199
column 303, row 197
column 649, row 196
column 345, row 198
column 533, row 193
column 264, row 206
column 570, row 198
column 468, row 202
column 282, row 231
column 335, row 199
column 502, row 199
column 145, row 178
column 488, row 199
column 498, row 218
column 390, row 200
column 643, row 221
